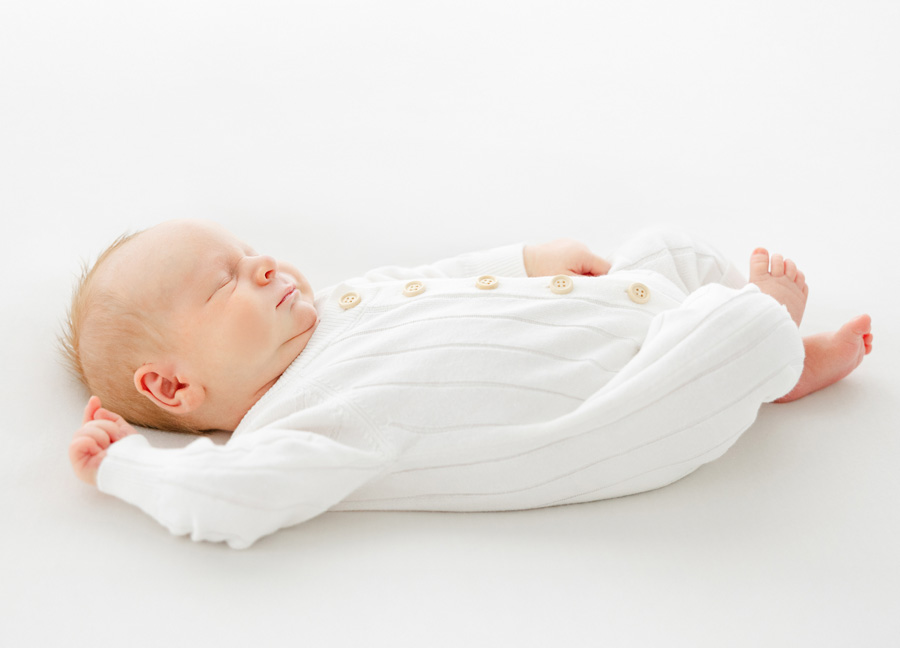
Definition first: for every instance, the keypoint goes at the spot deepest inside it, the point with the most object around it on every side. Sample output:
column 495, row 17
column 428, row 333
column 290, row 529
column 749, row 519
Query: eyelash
column 227, row 281
column 232, row 274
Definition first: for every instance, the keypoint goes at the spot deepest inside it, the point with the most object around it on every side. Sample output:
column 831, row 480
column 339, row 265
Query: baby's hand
column 563, row 256
column 99, row 429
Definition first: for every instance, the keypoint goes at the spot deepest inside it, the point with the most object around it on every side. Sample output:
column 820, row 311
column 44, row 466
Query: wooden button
column 349, row 300
column 486, row 282
column 638, row 293
column 561, row 284
column 413, row 288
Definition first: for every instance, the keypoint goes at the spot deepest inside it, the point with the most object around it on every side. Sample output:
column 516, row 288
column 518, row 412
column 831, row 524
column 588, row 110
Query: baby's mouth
column 289, row 292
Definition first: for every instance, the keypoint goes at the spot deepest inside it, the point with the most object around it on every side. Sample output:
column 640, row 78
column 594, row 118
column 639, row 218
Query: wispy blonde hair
column 105, row 339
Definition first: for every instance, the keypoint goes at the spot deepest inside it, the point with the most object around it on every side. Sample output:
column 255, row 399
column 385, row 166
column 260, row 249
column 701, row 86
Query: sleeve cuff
column 112, row 470
column 131, row 471
column 505, row 261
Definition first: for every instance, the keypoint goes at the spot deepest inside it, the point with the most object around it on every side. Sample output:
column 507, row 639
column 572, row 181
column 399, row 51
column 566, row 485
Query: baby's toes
column 800, row 280
column 759, row 263
column 790, row 269
column 777, row 265
column 859, row 326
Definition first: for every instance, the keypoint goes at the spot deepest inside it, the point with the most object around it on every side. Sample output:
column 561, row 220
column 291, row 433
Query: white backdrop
column 344, row 135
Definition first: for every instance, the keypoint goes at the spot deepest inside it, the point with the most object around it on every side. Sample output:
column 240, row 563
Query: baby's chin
column 305, row 314
column 306, row 319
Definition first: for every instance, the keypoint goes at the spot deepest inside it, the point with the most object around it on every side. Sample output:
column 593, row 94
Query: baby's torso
column 399, row 364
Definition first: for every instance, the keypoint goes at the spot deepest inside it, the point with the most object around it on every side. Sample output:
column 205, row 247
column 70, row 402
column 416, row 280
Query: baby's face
column 234, row 318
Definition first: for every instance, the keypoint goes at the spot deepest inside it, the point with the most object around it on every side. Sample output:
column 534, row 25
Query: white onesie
column 468, row 386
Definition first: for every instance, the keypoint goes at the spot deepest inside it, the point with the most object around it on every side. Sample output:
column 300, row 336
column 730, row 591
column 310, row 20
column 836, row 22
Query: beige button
column 413, row 288
column 349, row 300
column 638, row 293
column 486, row 282
column 561, row 284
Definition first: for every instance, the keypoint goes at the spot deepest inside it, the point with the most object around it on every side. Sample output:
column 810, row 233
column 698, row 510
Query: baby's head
column 183, row 326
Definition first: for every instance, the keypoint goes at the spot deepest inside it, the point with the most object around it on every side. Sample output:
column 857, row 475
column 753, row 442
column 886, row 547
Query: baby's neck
column 226, row 405
column 226, row 413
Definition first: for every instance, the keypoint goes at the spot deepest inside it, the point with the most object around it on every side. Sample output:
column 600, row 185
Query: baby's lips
column 287, row 294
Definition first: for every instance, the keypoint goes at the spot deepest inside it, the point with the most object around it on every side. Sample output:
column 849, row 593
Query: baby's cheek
column 240, row 330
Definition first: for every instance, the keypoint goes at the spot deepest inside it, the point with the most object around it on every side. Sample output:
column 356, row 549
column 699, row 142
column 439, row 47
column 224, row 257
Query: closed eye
column 225, row 281
column 230, row 275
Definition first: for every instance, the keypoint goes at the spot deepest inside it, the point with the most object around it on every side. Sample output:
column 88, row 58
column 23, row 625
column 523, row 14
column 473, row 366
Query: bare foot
column 832, row 356
column 782, row 281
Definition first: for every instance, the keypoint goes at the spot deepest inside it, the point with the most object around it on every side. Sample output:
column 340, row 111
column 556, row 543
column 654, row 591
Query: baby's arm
column 252, row 486
column 562, row 256
column 99, row 429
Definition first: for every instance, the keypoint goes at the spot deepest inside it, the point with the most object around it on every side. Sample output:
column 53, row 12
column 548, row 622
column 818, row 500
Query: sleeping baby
column 519, row 377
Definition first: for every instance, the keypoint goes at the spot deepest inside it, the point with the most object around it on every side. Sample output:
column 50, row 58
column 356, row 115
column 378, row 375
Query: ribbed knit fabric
column 463, row 399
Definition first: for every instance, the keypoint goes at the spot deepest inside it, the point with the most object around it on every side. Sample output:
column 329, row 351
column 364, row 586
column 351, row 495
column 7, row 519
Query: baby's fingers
column 102, row 433
column 594, row 266
column 85, row 455
column 105, row 414
column 92, row 406
column 85, row 446
column 123, row 428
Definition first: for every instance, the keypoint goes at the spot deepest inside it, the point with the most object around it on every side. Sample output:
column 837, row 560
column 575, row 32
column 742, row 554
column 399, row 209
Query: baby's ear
column 162, row 385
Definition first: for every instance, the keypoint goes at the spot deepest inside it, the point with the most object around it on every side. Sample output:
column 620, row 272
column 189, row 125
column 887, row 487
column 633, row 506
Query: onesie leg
column 686, row 262
column 694, row 387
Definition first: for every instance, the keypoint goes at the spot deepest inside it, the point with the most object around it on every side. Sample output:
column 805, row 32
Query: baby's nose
column 265, row 269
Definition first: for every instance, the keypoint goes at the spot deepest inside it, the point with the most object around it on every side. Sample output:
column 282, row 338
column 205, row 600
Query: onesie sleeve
column 238, row 492
column 505, row 261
